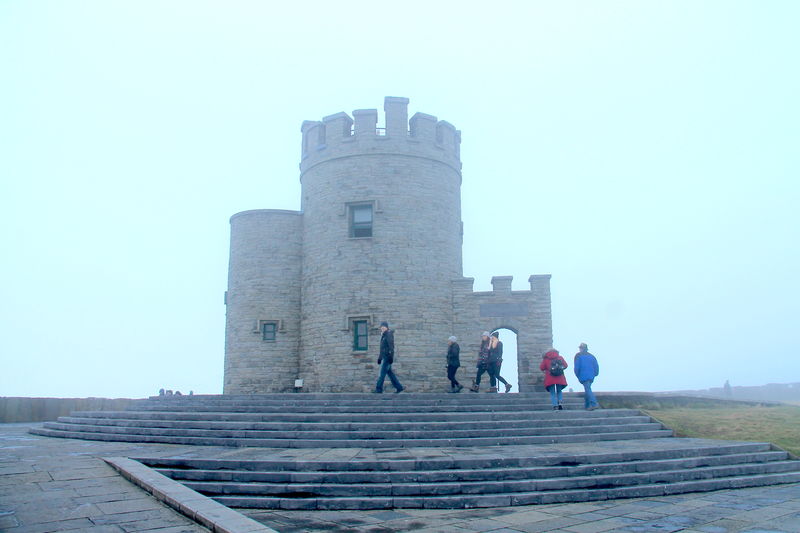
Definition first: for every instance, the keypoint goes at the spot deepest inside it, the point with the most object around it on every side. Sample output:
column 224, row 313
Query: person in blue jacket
column 586, row 369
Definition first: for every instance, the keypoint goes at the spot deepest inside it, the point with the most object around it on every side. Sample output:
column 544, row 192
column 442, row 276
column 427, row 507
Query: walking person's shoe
column 592, row 407
column 555, row 408
column 492, row 389
column 401, row 389
column 453, row 389
column 508, row 387
column 560, row 407
column 475, row 387
column 460, row 386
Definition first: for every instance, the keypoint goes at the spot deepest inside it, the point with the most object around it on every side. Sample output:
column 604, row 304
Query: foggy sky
column 643, row 153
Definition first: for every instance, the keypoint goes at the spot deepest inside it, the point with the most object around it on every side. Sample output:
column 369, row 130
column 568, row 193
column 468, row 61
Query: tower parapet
column 340, row 135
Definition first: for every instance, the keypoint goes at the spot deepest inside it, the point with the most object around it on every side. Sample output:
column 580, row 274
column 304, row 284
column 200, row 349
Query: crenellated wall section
column 527, row 313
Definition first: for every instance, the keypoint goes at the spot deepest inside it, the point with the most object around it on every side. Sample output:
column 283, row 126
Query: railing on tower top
column 380, row 132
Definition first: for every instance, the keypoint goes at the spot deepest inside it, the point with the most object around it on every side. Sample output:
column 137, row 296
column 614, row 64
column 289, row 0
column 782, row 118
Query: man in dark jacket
column 453, row 362
column 586, row 369
column 386, row 358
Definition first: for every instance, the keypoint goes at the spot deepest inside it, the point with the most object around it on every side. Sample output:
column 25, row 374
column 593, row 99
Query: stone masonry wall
column 402, row 273
column 263, row 285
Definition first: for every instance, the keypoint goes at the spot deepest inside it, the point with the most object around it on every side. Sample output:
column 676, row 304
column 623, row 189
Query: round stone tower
column 381, row 238
column 263, row 302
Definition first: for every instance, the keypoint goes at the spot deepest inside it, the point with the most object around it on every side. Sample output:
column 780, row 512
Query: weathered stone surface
column 305, row 272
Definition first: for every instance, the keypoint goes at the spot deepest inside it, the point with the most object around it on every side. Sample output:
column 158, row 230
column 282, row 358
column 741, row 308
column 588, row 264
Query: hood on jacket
column 551, row 354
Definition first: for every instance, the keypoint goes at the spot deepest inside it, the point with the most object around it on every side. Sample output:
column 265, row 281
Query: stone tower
column 378, row 238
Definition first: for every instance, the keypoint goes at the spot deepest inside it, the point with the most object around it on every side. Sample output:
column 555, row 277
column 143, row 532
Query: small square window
column 360, row 335
column 361, row 220
column 268, row 330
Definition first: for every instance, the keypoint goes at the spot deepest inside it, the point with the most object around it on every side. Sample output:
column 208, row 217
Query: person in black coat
column 495, row 362
column 453, row 362
column 385, row 359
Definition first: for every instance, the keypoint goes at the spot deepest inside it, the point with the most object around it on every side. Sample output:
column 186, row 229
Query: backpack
column 556, row 368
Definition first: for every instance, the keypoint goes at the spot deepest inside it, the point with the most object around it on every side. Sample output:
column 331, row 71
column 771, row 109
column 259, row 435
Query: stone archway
column 509, row 370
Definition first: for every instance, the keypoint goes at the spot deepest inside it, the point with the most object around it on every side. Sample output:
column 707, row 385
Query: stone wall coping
column 251, row 212
column 201, row 509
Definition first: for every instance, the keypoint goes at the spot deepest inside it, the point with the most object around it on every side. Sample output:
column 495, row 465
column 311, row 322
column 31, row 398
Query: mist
column 644, row 154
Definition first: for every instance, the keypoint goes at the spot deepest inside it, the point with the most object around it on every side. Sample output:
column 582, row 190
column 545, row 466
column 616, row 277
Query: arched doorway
column 509, row 370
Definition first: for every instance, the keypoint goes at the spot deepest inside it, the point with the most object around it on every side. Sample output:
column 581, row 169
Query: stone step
column 387, row 408
column 378, row 434
column 361, row 417
column 467, row 474
column 358, row 396
column 485, row 487
column 123, row 436
column 516, row 458
column 552, row 421
column 301, row 501
column 353, row 400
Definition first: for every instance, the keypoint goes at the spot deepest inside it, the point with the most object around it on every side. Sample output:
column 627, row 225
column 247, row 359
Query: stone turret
column 407, row 181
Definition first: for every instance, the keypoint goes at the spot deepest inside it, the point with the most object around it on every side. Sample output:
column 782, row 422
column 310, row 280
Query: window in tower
column 360, row 336
column 268, row 331
column 361, row 220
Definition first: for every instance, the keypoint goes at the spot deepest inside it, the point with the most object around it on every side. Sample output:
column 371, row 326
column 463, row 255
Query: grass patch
column 777, row 424
column 712, row 418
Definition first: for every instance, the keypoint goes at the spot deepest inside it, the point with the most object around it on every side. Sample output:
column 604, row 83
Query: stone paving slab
column 51, row 484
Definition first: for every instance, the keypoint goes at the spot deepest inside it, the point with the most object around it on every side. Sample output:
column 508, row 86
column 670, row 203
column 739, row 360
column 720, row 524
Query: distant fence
column 18, row 409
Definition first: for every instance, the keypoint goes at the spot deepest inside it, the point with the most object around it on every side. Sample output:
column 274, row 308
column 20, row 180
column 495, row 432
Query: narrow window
column 268, row 330
column 360, row 335
column 361, row 220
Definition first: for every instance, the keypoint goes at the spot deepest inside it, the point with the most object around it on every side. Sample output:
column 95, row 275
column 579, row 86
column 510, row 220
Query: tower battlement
column 340, row 135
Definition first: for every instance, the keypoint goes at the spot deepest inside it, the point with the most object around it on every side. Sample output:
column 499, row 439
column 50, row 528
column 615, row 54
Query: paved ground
column 51, row 484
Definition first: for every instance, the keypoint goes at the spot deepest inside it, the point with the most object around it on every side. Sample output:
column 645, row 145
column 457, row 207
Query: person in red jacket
column 553, row 366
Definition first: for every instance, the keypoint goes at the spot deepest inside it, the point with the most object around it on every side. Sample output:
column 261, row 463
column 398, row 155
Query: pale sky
column 643, row 153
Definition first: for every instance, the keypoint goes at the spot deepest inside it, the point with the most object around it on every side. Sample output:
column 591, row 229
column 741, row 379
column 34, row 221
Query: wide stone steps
column 550, row 421
column 356, row 420
column 368, row 451
column 398, row 417
column 508, row 481
column 125, row 434
column 506, row 500
column 376, row 404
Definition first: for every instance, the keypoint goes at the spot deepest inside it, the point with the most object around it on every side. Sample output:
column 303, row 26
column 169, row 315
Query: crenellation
column 502, row 284
column 338, row 126
column 396, row 110
column 446, row 135
column 366, row 122
column 423, row 126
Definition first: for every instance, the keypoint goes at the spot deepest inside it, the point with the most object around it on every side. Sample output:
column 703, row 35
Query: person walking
column 586, row 369
column 453, row 362
column 483, row 361
column 495, row 362
column 385, row 359
column 553, row 366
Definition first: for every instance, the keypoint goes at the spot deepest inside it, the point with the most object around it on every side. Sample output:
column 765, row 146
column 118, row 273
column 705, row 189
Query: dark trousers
column 494, row 372
column 451, row 375
column 481, row 371
column 386, row 370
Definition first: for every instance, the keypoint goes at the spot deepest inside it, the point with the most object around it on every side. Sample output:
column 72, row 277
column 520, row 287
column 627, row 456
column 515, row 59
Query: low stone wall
column 20, row 409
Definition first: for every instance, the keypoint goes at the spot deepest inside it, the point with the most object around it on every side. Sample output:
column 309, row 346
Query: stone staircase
column 364, row 451
column 356, row 421
column 457, row 482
